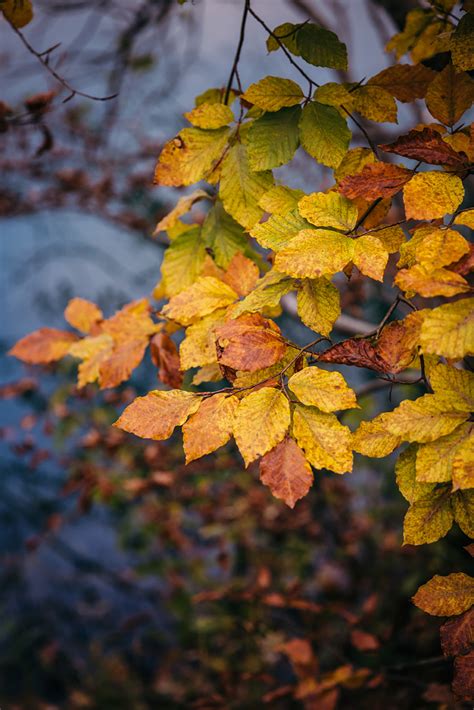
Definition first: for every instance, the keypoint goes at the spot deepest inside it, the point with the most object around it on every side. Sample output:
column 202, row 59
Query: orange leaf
column 155, row 415
column 363, row 641
column 43, row 346
column 242, row 274
column 165, row 356
column 210, row 427
column 427, row 146
column 375, row 180
column 82, row 314
column 286, row 472
column 249, row 343
column 446, row 596
column 119, row 365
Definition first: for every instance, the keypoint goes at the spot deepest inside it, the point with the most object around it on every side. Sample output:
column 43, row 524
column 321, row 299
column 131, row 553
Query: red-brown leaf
column 364, row 641
column 249, row 343
column 165, row 356
column 355, row 351
column 457, row 635
column 426, row 145
column 463, row 683
column 375, row 180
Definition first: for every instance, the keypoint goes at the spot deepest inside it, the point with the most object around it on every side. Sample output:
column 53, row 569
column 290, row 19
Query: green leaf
column 321, row 47
column 279, row 230
column 223, row 235
column 273, row 138
column 324, row 134
column 240, row 188
column 183, row 261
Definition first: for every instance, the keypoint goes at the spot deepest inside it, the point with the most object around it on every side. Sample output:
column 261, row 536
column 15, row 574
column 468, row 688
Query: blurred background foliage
column 129, row 580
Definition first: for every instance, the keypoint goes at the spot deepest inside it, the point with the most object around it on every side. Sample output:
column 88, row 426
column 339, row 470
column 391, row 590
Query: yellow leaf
column 463, row 464
column 434, row 460
column 267, row 293
column 318, row 304
column 273, row 92
column 450, row 95
column 466, row 217
column 262, row 420
column 278, row 231
column 190, row 156
column 241, row 189
column 286, row 472
column 423, row 419
column 370, row 256
column 375, row 103
column 43, row 346
column 463, row 509
column 210, row 115
column 18, row 12
column 448, row 330
column 455, row 387
column 428, row 281
column 199, row 346
column 82, row 314
column 432, row 194
column 155, row 415
column 391, row 238
column 319, row 388
column 204, row 296
column 433, row 247
column 446, row 596
column 373, row 439
column 334, row 94
column 405, row 470
column 328, row 210
column 280, row 199
column 183, row 206
column 325, row 441
column 314, row 253
column 93, row 351
column 210, row 426
column 428, row 519
column 182, row 263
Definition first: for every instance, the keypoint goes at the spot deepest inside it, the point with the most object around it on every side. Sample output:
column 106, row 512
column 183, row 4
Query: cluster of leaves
column 223, row 280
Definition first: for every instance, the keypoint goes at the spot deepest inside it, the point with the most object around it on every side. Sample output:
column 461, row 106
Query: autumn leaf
column 241, row 274
column 375, row 180
column 370, row 256
column 43, row 346
column 457, row 635
column 249, row 343
column 426, row 146
column 210, row 426
column 165, row 357
column 428, row 519
column 429, row 282
column 462, row 43
column 324, row 133
column 424, row 419
column 433, row 247
column 210, row 115
column 375, row 103
column 94, row 351
column 273, row 139
column 372, row 438
column 82, row 314
column 156, row 415
column 204, row 296
column 199, row 346
column 463, row 465
column 313, row 253
column 182, row 263
column 449, row 95
column 463, row 683
column 273, row 93
column 267, row 293
column 18, row 12
column 405, row 471
column 286, row 472
column 280, row 199
column 318, row 304
column 277, row 232
column 434, row 460
column 446, row 596
column 222, row 236
column 326, row 390
column 190, row 156
column 449, row 329
column 432, row 194
column 328, row 210
column 270, row 410
column 325, row 441
column 406, row 82
column 183, row 206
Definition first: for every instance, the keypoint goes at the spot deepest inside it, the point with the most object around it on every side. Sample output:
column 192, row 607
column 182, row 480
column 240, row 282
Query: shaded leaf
column 450, row 95
column 324, row 133
column 457, row 635
column 428, row 519
column 446, row 596
column 273, row 138
column 286, row 472
column 426, row 146
column 165, row 357
column 406, row 82
column 405, row 470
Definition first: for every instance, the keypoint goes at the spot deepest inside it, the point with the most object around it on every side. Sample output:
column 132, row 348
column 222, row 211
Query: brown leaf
column 359, row 352
column 406, row 82
column 397, row 343
column 427, row 146
column 249, row 343
column 364, row 641
column 465, row 264
column 43, row 346
column 375, row 180
column 457, row 635
column 286, row 472
column 463, row 683
column 165, row 357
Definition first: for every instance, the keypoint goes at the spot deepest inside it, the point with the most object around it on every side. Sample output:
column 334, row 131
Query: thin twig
column 40, row 57
column 237, row 53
